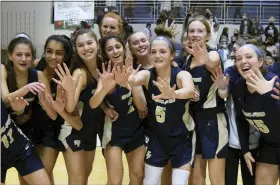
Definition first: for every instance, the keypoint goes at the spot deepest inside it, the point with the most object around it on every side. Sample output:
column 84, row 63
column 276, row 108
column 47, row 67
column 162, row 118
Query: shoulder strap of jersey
column 153, row 76
column 32, row 75
column 173, row 78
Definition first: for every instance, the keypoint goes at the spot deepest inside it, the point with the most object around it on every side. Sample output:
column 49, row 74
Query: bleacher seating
column 148, row 11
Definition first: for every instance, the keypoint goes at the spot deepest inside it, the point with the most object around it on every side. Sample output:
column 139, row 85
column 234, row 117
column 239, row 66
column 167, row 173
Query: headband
column 22, row 35
column 255, row 48
column 166, row 40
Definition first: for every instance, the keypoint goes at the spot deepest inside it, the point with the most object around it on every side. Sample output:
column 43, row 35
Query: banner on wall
column 69, row 15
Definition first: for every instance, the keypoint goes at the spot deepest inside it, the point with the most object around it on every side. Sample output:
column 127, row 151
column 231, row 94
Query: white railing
column 224, row 12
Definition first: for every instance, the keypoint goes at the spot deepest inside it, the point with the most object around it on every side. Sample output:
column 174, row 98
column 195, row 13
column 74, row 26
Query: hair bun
column 165, row 30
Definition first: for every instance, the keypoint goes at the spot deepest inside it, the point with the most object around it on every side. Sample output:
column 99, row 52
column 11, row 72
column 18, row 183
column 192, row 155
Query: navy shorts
column 180, row 150
column 90, row 142
column 26, row 163
column 212, row 135
column 70, row 137
column 50, row 137
column 127, row 142
column 268, row 153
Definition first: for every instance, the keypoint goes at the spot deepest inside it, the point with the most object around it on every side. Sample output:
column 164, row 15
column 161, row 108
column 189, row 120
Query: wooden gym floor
column 98, row 175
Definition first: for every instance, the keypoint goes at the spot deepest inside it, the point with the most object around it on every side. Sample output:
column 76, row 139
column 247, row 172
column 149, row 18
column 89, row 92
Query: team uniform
column 261, row 111
column 23, row 119
column 209, row 114
column 275, row 68
column 172, row 128
column 16, row 150
column 45, row 129
column 243, row 138
column 126, row 132
column 92, row 119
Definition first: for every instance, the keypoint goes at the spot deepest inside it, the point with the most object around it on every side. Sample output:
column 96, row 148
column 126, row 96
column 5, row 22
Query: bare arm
column 214, row 61
column 73, row 119
column 139, row 79
column 186, row 86
column 5, row 91
column 73, row 96
column 139, row 98
column 49, row 109
column 98, row 96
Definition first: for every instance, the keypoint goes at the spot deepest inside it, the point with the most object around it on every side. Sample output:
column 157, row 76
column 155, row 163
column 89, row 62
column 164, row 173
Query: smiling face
column 109, row 26
column 247, row 60
column 54, row 53
column 21, row 57
column 86, row 47
column 139, row 44
column 161, row 54
column 115, row 51
column 197, row 31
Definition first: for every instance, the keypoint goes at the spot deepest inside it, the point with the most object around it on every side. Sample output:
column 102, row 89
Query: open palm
column 167, row 92
column 107, row 78
column 67, row 82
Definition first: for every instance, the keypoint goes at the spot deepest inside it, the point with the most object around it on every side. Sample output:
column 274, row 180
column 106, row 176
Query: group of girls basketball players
column 134, row 97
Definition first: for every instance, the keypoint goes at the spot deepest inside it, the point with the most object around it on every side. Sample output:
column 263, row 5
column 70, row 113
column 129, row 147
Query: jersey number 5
column 160, row 114
column 259, row 124
column 5, row 139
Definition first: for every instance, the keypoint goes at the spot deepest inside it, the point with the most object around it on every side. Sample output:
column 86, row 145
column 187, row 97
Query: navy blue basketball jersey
column 275, row 68
column 91, row 118
column 122, row 102
column 40, row 119
column 29, row 97
column 168, row 117
column 209, row 97
column 23, row 120
column 13, row 141
column 261, row 111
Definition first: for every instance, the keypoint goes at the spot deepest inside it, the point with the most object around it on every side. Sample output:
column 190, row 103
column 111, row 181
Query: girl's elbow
column 93, row 105
column 142, row 106
column 53, row 116
column 70, row 109
column 79, row 126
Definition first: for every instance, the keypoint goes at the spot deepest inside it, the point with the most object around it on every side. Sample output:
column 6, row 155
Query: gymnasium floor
column 97, row 177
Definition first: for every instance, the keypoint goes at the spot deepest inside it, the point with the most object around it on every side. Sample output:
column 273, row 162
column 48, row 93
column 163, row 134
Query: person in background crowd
column 246, row 25
column 148, row 31
column 271, row 47
column 271, row 30
column 213, row 41
column 127, row 29
column 224, row 36
column 224, row 51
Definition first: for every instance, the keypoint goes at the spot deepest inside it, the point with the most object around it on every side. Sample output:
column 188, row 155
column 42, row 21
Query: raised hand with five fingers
column 60, row 100
column 121, row 76
column 107, row 78
column 277, row 91
column 221, row 82
column 257, row 82
column 35, row 87
column 67, row 82
column 18, row 104
column 167, row 92
column 172, row 28
column 199, row 52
